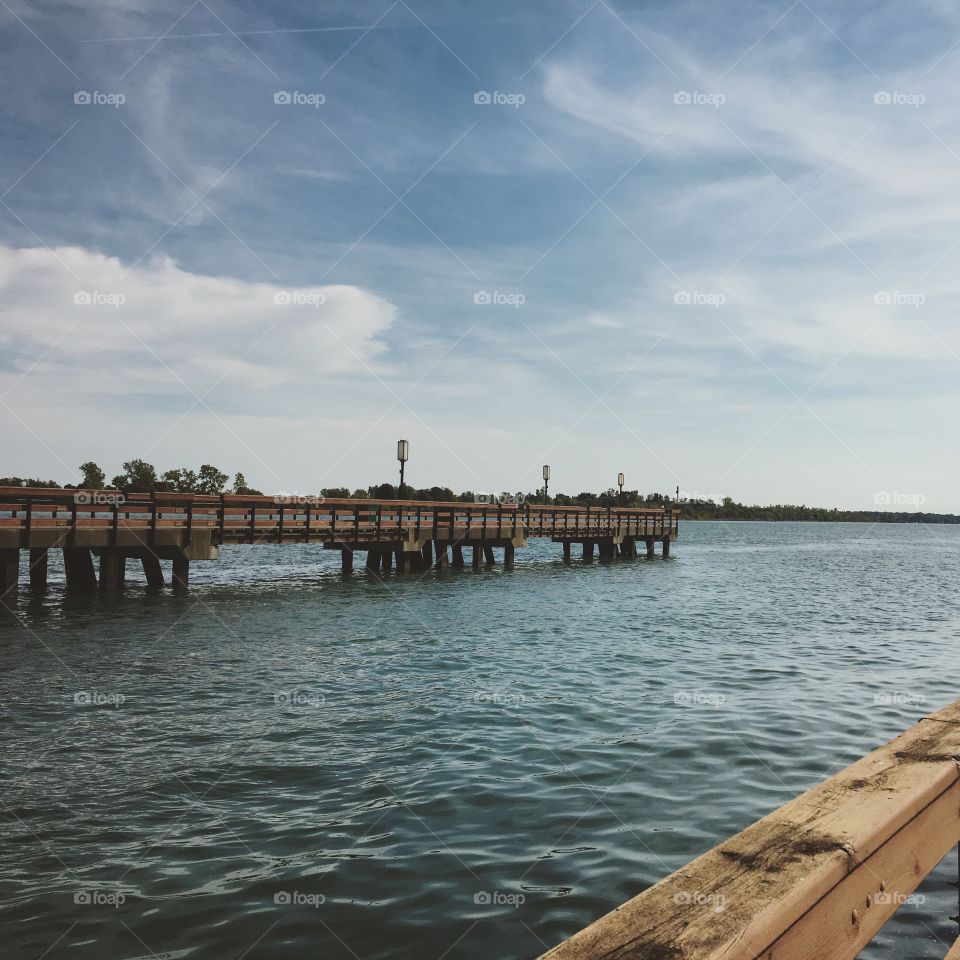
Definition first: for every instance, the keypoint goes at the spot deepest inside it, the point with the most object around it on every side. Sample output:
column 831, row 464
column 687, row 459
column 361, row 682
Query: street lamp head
column 403, row 450
column 546, row 472
column 620, row 480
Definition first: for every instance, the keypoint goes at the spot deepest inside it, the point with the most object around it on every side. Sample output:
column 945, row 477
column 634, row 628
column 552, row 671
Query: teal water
column 286, row 763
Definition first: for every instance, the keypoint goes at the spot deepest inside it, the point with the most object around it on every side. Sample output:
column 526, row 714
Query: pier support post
column 386, row 560
column 38, row 568
column 373, row 560
column 566, row 551
column 426, row 556
column 346, row 560
column 628, row 548
column 649, row 542
column 587, row 549
column 440, row 549
column 181, row 573
column 488, row 555
column 508, row 551
column 110, row 561
column 666, row 548
column 152, row 569
column 78, row 566
column 457, row 556
column 401, row 561
column 9, row 575
column 477, row 553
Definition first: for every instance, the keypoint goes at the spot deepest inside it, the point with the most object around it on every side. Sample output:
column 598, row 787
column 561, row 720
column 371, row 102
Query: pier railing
column 817, row 878
column 288, row 519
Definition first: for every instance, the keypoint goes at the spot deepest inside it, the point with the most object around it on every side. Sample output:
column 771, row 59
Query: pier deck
column 411, row 535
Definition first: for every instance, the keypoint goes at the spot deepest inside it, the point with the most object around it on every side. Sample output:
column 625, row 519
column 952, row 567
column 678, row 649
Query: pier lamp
column 620, row 480
column 546, row 481
column 403, row 455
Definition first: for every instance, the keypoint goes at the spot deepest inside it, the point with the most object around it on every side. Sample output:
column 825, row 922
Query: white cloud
column 156, row 323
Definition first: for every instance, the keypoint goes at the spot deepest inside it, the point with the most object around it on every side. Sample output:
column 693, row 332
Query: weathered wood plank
column 788, row 885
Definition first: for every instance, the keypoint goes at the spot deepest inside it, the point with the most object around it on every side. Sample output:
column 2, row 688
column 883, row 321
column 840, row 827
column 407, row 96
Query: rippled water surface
column 286, row 763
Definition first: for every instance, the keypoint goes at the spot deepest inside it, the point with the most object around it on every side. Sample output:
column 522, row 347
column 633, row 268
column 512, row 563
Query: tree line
column 138, row 476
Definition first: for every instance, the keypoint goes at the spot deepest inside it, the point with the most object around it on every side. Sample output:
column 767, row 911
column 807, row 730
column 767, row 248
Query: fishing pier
column 99, row 531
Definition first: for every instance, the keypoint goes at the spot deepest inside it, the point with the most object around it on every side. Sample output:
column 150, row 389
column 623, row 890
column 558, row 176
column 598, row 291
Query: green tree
column 138, row 477
column 210, row 480
column 181, row 480
column 91, row 476
column 240, row 486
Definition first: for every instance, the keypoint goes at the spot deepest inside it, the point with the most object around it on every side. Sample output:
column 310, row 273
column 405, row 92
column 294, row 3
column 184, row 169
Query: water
column 460, row 765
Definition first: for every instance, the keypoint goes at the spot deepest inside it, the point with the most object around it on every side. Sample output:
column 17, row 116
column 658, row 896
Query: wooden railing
column 290, row 519
column 817, row 878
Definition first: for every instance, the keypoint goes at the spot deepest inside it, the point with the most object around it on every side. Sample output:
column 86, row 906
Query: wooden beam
column 816, row 878
column 649, row 541
column 78, row 567
column 488, row 555
column 666, row 547
column 152, row 569
column 566, row 551
column 477, row 554
column 457, row 556
column 110, row 570
column 181, row 573
column 440, row 549
column 508, row 552
column 346, row 560
column 9, row 575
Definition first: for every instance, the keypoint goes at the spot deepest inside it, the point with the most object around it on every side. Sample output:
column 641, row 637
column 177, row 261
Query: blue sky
column 718, row 242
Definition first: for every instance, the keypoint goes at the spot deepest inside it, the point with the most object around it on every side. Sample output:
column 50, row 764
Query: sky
column 711, row 245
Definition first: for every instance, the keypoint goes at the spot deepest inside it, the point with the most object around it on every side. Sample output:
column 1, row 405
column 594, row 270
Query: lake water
column 284, row 763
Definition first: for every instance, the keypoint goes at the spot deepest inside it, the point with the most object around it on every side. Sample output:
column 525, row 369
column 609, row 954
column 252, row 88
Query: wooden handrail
column 815, row 879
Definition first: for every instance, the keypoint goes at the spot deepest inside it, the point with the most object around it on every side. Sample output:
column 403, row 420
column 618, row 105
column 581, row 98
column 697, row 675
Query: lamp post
column 403, row 455
column 546, row 482
column 620, row 479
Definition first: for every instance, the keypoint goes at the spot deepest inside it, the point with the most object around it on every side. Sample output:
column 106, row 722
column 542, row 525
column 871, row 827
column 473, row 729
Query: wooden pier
column 99, row 531
column 814, row 880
